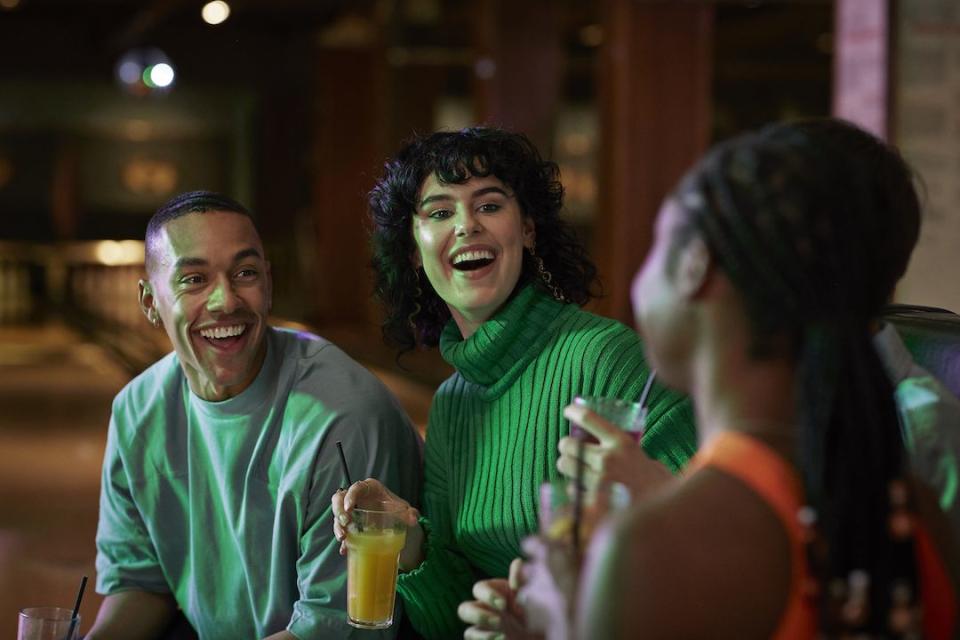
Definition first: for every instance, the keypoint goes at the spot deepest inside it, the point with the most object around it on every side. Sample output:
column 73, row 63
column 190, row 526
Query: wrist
column 412, row 554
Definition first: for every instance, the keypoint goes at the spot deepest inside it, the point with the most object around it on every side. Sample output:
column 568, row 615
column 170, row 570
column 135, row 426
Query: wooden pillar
column 519, row 67
column 347, row 158
column 655, row 88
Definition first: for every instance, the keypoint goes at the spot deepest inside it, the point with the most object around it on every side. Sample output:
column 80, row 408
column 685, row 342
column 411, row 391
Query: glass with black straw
column 51, row 623
column 375, row 538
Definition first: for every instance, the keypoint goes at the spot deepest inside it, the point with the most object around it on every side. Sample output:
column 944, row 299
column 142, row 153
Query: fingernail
column 343, row 519
column 499, row 636
column 499, row 602
column 494, row 621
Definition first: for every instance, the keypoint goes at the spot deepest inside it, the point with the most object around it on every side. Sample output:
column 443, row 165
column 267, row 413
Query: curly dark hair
column 455, row 157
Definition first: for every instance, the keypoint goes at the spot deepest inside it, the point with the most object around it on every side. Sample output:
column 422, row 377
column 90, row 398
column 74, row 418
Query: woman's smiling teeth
column 473, row 259
column 220, row 333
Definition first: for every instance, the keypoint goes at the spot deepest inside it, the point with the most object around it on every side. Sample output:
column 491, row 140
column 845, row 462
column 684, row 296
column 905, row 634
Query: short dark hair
column 179, row 206
column 454, row 157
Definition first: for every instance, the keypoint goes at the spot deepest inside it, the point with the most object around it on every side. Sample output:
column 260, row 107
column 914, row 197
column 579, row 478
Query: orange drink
column 374, row 542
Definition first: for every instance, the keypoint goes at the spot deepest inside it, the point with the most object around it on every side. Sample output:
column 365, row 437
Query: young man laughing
column 221, row 457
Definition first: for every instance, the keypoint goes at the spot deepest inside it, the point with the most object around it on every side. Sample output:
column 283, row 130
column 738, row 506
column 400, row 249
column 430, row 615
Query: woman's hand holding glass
column 496, row 613
column 548, row 587
column 372, row 493
column 617, row 457
column 549, row 575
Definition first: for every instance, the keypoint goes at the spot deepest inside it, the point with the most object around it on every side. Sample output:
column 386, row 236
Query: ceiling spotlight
column 215, row 12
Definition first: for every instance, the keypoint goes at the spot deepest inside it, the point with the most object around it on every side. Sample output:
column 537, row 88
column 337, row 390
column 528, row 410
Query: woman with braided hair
column 797, row 517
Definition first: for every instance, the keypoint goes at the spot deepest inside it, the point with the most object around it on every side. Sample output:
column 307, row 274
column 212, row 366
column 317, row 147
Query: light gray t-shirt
column 226, row 505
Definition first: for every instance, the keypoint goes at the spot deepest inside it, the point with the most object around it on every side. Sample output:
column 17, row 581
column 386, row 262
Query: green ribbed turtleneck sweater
column 492, row 439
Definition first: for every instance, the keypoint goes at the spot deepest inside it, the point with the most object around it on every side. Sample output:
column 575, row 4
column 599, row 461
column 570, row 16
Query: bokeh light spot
column 162, row 74
column 215, row 12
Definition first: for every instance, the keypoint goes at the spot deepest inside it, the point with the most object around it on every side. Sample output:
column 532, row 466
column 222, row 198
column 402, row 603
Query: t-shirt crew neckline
column 250, row 398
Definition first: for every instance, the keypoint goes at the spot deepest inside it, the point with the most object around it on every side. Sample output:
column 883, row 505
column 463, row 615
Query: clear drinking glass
column 629, row 416
column 48, row 623
column 374, row 541
column 558, row 509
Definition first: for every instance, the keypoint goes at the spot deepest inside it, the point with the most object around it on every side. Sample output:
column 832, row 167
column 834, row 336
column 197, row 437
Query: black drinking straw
column 578, row 498
column 343, row 465
column 346, row 474
column 76, row 609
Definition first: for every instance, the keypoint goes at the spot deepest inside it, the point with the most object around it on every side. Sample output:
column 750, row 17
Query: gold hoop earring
column 546, row 277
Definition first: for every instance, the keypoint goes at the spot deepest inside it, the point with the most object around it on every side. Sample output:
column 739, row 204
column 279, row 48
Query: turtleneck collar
column 505, row 344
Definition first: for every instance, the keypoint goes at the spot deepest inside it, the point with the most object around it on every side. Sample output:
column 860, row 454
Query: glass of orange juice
column 374, row 541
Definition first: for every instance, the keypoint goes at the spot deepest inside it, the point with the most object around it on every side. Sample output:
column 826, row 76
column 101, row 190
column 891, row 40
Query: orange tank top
column 772, row 478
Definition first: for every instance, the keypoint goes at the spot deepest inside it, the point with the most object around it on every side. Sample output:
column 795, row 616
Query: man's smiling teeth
column 469, row 256
column 223, row 332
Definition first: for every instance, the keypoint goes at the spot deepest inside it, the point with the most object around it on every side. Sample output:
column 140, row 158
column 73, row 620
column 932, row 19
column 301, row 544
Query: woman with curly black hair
column 471, row 254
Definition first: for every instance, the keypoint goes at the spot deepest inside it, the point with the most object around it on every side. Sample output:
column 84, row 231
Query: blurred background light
column 149, row 176
column 138, row 130
column 485, row 68
column 129, row 72
column 9, row 4
column 147, row 77
column 114, row 252
column 162, row 74
column 215, row 12
column 142, row 71
column 591, row 35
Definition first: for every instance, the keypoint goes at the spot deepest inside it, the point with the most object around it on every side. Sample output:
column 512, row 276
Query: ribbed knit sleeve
column 433, row 591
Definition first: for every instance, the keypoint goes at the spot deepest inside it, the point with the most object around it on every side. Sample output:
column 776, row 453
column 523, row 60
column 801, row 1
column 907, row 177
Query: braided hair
column 415, row 314
column 789, row 216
